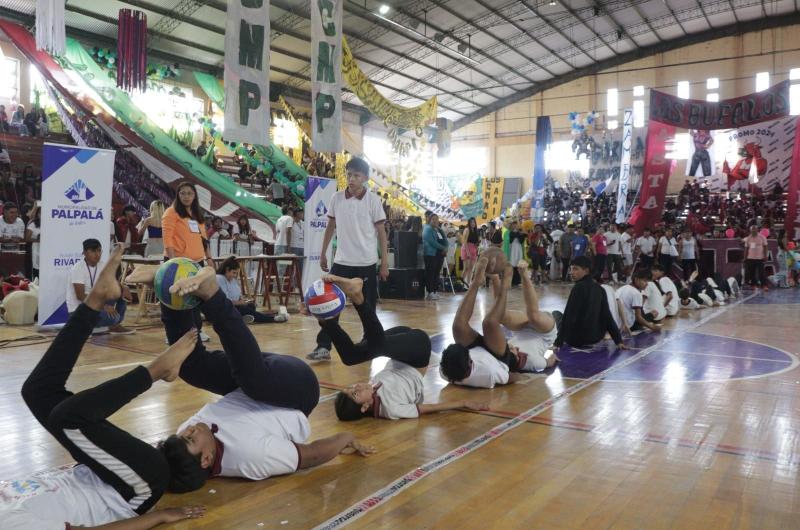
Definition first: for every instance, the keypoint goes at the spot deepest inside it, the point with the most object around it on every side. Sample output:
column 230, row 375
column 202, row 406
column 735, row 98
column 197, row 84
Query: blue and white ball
column 324, row 300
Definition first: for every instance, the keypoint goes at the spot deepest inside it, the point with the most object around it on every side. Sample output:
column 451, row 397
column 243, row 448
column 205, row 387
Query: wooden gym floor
column 697, row 428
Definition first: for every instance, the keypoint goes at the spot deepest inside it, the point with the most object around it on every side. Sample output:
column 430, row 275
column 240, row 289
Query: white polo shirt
column 668, row 286
column 613, row 242
column 625, row 242
column 259, row 439
column 85, row 275
column 487, row 370
column 654, row 302
column 356, row 236
column 49, row 499
column 631, row 298
column 281, row 225
column 400, row 391
column 646, row 245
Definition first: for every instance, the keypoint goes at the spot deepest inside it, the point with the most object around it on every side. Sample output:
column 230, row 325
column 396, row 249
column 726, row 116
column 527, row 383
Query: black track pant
column 401, row 343
column 754, row 268
column 280, row 380
column 135, row 469
column 370, row 289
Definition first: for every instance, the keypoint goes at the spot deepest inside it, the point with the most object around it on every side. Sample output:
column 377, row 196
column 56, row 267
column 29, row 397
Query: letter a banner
column 76, row 205
column 247, row 72
column 326, row 75
column 655, row 176
column 319, row 192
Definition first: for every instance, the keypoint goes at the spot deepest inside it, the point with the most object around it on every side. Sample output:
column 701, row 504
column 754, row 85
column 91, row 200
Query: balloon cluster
column 579, row 125
column 107, row 59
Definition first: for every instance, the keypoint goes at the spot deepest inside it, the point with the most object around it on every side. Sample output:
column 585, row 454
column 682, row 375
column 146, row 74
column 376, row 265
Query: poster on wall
column 76, row 205
column 326, row 76
column 247, row 72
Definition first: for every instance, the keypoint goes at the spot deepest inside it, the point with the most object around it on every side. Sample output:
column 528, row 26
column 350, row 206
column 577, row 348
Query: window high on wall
column 683, row 89
column 285, row 133
column 612, row 102
column 9, row 82
column 762, row 81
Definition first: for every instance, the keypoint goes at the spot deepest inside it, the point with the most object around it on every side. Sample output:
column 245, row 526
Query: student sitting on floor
column 396, row 392
column 696, row 294
column 633, row 317
column 666, row 286
column 119, row 477
column 471, row 361
column 653, row 302
column 259, row 428
column 228, row 280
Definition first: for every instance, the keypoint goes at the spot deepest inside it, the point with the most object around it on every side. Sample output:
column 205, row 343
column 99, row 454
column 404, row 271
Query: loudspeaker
column 405, row 250
column 404, row 284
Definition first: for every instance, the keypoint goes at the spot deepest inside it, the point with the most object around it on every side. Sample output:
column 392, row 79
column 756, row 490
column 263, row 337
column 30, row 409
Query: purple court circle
column 690, row 357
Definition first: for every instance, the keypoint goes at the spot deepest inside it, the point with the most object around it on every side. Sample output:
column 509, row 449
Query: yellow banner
column 391, row 113
column 492, row 198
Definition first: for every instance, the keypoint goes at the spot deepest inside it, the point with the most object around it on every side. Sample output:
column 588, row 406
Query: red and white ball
column 324, row 300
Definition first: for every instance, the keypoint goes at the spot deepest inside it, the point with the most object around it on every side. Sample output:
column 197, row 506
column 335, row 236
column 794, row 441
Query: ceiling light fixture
column 552, row 2
column 383, row 9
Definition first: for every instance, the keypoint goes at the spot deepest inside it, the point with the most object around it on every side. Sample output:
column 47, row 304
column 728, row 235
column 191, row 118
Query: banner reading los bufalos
column 667, row 113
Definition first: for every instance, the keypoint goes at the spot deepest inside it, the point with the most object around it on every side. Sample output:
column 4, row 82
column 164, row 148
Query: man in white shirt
column 466, row 362
column 283, row 231
column 630, row 295
column 626, row 241
column 297, row 241
column 614, row 247
column 82, row 278
column 118, row 477
column 670, row 290
column 645, row 246
column 259, row 428
column 356, row 217
column 12, row 228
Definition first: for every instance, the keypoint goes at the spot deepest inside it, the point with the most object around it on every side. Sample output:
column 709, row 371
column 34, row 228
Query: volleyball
column 167, row 274
column 324, row 300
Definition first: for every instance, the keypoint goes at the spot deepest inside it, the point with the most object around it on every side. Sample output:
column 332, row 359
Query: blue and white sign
column 76, row 205
column 319, row 192
column 625, row 168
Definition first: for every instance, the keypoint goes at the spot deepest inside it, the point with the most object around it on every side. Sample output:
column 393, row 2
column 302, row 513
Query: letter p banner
column 325, row 106
column 249, row 99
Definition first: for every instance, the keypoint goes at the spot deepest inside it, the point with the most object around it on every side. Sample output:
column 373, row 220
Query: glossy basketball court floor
column 699, row 427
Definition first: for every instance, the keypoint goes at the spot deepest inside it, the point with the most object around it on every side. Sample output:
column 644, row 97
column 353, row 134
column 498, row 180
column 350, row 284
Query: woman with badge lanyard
column 184, row 235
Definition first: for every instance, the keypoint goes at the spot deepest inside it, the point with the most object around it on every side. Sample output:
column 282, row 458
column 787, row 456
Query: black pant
column 280, row 380
column 615, row 264
column 755, row 271
column 250, row 309
column 433, row 268
column 646, row 261
column 565, row 268
column 370, row 290
column 666, row 261
column 688, row 266
column 599, row 266
column 401, row 343
column 637, row 326
column 135, row 469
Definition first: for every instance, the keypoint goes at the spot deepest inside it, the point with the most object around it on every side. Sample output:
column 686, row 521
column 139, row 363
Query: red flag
column 655, row 176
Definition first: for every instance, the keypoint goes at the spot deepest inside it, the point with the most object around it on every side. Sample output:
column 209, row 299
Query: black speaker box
column 404, row 284
column 405, row 250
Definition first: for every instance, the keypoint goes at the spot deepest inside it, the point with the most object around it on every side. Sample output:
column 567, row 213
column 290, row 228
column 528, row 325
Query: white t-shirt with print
column 82, row 274
column 50, row 499
column 487, row 370
column 668, row 286
column 631, row 299
column 281, row 225
column 356, row 235
column 259, row 439
column 400, row 391
column 15, row 229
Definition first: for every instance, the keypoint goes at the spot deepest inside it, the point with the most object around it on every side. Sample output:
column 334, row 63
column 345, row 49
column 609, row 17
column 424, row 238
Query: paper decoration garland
column 51, row 34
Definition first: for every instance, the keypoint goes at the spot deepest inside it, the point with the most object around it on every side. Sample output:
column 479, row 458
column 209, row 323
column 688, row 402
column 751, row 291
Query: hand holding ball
column 324, row 300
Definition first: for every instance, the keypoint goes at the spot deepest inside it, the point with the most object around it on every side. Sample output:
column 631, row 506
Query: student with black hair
column 396, row 391
column 633, row 317
column 228, row 281
column 259, row 428
column 472, row 362
column 119, row 477
column 587, row 316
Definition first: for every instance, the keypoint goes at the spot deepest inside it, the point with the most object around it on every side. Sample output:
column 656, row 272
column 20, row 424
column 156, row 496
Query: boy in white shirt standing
column 356, row 217
column 626, row 241
column 645, row 246
column 614, row 247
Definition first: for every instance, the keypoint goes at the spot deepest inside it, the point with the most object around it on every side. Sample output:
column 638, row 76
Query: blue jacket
column 431, row 244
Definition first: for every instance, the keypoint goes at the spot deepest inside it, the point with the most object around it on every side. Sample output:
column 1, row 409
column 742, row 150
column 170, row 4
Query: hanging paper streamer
column 391, row 114
column 341, row 178
column 51, row 34
column 326, row 76
column 132, row 50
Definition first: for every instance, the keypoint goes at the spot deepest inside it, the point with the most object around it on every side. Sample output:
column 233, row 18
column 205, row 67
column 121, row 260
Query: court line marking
column 400, row 484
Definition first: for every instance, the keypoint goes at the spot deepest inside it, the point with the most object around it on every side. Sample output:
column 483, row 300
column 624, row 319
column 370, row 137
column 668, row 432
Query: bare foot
column 352, row 287
column 508, row 275
column 167, row 365
column 479, row 273
column 142, row 274
column 522, row 266
column 203, row 284
column 107, row 288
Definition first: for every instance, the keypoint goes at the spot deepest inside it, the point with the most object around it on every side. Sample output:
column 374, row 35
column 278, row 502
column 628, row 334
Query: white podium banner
column 319, row 192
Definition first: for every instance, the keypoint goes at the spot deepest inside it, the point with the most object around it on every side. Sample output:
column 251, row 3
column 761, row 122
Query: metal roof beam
column 558, row 30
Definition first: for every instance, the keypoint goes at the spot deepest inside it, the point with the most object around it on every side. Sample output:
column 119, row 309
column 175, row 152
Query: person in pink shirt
column 600, row 251
column 755, row 253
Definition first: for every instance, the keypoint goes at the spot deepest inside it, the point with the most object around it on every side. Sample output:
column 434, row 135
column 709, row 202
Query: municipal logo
column 78, row 192
column 321, row 211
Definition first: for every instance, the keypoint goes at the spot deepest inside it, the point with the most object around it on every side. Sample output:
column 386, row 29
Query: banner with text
column 76, row 205
column 790, row 221
column 492, row 199
column 326, row 76
column 657, row 168
column 319, row 192
column 247, row 72
column 624, row 167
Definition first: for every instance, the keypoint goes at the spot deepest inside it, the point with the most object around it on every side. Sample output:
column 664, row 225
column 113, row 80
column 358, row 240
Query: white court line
column 119, row 366
column 400, row 484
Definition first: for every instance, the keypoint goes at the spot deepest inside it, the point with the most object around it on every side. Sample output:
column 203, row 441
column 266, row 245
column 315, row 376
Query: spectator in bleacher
column 277, row 192
column 12, row 228
column 4, row 126
column 31, row 122
column 283, row 231
column 41, row 123
column 245, row 172
column 17, row 120
column 32, row 235
column 151, row 225
column 219, row 229
column 242, row 230
column 228, row 281
column 125, row 226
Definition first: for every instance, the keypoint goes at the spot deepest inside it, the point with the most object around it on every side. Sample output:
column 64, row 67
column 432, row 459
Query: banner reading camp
column 247, row 72
column 326, row 72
